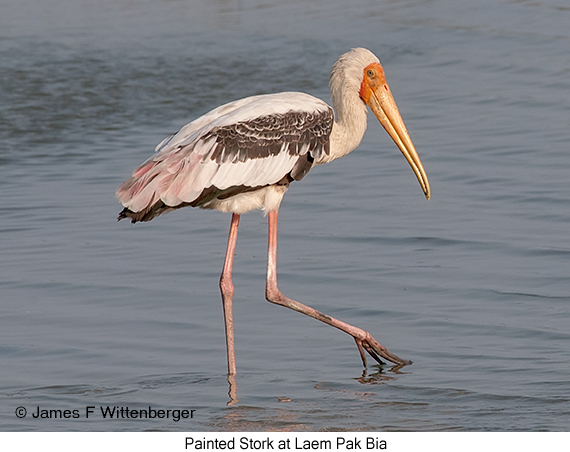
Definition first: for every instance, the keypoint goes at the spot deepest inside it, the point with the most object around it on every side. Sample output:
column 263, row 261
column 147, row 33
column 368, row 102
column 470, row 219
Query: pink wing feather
column 235, row 145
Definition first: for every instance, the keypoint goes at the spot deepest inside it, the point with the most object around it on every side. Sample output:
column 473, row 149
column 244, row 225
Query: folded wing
column 238, row 147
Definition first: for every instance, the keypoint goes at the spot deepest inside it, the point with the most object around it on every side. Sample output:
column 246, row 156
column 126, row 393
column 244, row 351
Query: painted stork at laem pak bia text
column 244, row 155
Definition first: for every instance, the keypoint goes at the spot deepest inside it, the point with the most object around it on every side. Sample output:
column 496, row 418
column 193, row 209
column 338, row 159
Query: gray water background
column 473, row 286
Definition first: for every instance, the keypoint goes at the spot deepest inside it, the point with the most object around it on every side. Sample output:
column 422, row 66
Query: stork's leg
column 363, row 339
column 227, row 289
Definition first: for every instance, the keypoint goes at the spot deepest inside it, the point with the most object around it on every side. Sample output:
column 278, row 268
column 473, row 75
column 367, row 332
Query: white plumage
column 243, row 110
column 183, row 168
column 243, row 155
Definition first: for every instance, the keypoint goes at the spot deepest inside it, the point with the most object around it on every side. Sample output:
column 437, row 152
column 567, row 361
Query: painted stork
column 243, row 156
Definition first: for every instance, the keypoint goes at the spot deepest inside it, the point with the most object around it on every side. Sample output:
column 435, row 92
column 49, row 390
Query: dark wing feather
column 222, row 159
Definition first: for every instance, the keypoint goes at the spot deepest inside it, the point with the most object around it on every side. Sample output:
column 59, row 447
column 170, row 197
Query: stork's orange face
column 373, row 79
column 374, row 90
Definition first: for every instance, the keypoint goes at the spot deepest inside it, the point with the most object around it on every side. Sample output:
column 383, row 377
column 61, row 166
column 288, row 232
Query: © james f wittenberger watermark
column 106, row 412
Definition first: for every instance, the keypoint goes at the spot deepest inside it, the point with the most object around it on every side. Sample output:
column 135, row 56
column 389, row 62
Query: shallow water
column 473, row 285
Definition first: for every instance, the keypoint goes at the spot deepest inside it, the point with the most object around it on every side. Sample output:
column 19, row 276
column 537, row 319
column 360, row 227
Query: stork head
column 359, row 73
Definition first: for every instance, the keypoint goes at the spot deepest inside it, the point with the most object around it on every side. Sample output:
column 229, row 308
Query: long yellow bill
column 376, row 93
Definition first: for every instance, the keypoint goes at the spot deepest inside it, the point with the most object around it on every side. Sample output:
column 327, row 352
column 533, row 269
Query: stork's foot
column 377, row 351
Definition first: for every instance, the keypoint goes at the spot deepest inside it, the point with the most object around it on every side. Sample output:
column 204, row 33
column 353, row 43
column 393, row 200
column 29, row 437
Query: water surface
column 472, row 286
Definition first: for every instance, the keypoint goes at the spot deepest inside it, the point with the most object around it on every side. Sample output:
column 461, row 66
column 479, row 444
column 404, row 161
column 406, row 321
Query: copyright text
column 108, row 412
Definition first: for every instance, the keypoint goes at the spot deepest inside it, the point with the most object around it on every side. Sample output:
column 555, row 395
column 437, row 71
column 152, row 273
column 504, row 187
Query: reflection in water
column 232, row 391
column 256, row 418
column 378, row 377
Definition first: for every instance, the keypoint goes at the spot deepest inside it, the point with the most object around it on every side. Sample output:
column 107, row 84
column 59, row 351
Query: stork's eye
column 370, row 73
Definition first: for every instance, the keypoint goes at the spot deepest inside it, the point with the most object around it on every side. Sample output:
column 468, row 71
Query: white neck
column 350, row 110
column 350, row 119
column 348, row 130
